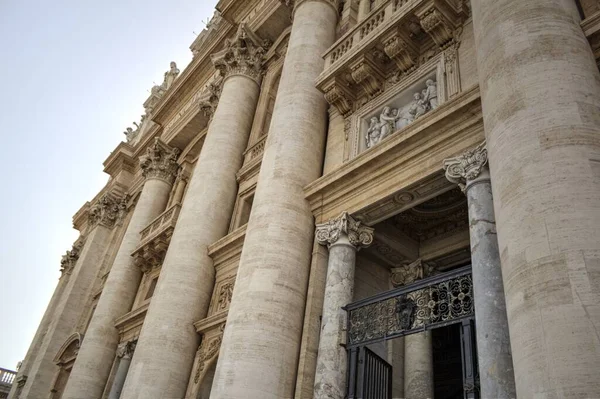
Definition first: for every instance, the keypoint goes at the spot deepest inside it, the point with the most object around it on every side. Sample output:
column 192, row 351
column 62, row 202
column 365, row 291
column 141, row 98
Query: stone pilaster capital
column 344, row 226
column 466, row 167
column 408, row 273
column 242, row 55
column 125, row 349
column 105, row 211
column 160, row 162
column 294, row 4
column 67, row 263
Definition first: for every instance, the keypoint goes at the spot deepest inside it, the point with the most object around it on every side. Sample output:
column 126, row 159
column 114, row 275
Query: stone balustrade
column 394, row 39
column 155, row 239
column 7, row 377
column 256, row 150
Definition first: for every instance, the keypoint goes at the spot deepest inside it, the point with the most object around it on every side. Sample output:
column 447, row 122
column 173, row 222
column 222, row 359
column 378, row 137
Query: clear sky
column 74, row 75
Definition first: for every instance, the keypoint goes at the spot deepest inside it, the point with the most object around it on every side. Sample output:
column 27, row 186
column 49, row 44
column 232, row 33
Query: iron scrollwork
column 437, row 302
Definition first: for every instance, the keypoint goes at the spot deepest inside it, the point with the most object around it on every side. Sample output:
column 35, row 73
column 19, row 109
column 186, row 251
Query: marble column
column 92, row 368
column 67, row 265
column 418, row 349
column 102, row 216
column 496, row 374
column 540, row 93
column 344, row 236
column 124, row 353
column 418, row 366
column 259, row 356
column 164, row 355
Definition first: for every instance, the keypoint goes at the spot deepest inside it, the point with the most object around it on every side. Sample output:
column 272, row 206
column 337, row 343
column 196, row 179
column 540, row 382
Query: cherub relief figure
column 374, row 132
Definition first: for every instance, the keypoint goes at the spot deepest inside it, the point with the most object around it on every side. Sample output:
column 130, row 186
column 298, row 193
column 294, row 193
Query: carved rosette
column 243, row 55
column 358, row 235
column 105, row 212
column 160, row 162
column 467, row 166
column 125, row 349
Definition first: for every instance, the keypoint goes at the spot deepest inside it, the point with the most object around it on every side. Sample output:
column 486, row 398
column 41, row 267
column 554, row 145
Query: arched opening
column 64, row 360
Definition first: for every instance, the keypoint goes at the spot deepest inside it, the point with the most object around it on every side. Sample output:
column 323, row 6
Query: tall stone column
column 259, row 355
column 124, row 353
column 67, row 264
column 364, row 8
column 96, row 355
column 540, row 92
column 102, row 217
column 344, row 236
column 164, row 355
column 496, row 375
column 418, row 349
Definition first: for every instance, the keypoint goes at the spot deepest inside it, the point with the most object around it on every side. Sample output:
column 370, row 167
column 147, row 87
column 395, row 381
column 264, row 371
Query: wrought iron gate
column 430, row 303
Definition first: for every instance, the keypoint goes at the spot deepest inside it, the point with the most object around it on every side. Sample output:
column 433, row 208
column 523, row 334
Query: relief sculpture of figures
column 394, row 119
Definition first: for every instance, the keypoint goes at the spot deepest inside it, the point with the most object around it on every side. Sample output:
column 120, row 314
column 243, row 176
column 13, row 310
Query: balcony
column 7, row 377
column 389, row 44
column 155, row 239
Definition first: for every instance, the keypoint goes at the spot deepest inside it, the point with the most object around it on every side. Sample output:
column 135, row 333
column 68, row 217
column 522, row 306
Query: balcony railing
column 163, row 222
column 431, row 302
column 7, row 377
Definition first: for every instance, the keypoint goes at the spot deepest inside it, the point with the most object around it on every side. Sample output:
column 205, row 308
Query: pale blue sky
column 74, row 75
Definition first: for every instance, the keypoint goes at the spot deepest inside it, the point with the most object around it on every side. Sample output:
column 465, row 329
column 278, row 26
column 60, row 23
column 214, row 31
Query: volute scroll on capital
column 358, row 235
column 466, row 166
column 160, row 162
column 242, row 55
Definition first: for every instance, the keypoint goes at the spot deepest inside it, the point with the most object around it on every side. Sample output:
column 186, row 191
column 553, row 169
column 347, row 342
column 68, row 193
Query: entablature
column 130, row 324
column 373, row 184
column 391, row 42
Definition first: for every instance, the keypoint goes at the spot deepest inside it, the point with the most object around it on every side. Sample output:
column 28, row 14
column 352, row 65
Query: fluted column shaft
column 344, row 236
column 496, row 374
column 94, row 361
column 259, row 354
column 540, row 92
column 164, row 355
column 69, row 308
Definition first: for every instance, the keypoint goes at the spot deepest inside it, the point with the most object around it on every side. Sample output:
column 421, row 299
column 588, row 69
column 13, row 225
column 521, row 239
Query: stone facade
column 317, row 193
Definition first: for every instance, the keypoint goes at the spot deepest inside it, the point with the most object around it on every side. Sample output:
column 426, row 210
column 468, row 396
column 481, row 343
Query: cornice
column 346, row 188
column 133, row 318
column 120, row 159
column 227, row 247
column 234, row 11
column 211, row 322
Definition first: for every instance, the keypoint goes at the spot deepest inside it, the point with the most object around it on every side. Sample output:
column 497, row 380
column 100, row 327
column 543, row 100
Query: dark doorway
column 447, row 362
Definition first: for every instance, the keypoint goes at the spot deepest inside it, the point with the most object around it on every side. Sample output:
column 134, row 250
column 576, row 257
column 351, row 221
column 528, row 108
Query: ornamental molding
column 67, row 263
column 125, row 349
column 107, row 211
column 358, row 235
column 160, row 162
column 411, row 272
column 206, row 353
column 225, row 295
column 243, row 55
column 467, row 166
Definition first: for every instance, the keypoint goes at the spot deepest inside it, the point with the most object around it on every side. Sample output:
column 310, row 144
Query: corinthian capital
column 160, row 162
column 105, row 211
column 358, row 235
column 243, row 55
column 67, row 263
column 467, row 166
column 126, row 349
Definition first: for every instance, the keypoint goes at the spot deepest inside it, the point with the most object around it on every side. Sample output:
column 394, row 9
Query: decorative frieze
column 358, row 235
column 467, row 166
column 160, row 162
column 225, row 295
column 243, row 55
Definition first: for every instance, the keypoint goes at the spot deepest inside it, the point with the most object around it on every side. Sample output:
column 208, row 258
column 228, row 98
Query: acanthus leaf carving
column 160, row 162
column 467, row 166
column 105, row 211
column 208, row 350
column 401, row 49
column 357, row 234
column 367, row 75
column 409, row 273
column 67, row 263
column 125, row 349
column 338, row 95
column 243, row 55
